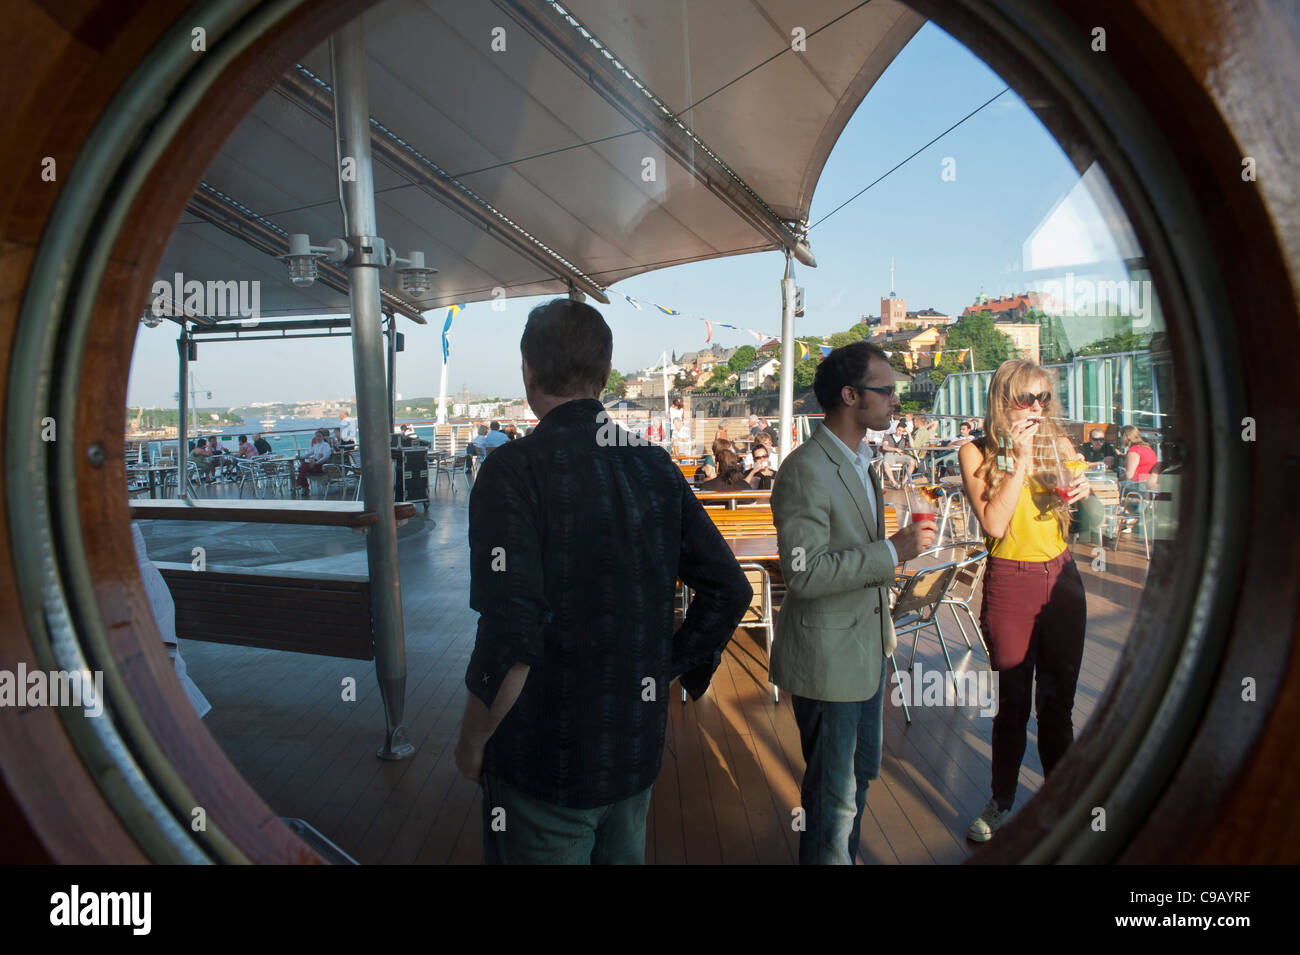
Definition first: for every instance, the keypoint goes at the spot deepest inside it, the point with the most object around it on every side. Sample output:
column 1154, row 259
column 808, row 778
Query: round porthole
column 1176, row 726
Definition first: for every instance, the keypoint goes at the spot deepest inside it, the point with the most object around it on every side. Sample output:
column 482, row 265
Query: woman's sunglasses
column 1021, row 402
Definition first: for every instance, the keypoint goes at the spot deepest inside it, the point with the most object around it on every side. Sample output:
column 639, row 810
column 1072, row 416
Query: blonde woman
column 1034, row 611
column 1139, row 458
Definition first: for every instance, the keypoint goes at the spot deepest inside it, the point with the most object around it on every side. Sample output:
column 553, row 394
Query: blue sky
column 949, row 240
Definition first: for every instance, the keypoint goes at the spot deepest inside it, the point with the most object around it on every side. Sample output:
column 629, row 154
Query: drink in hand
column 924, row 499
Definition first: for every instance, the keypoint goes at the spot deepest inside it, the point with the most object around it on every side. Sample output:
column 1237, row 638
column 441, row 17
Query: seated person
column 246, row 448
column 494, row 438
column 922, row 433
column 759, row 477
column 731, row 476
column 946, row 463
column 764, row 441
column 474, row 449
column 201, row 456
column 895, row 447
column 410, row 439
column 707, row 471
column 263, row 446
column 1099, row 450
column 1141, row 467
column 314, row 461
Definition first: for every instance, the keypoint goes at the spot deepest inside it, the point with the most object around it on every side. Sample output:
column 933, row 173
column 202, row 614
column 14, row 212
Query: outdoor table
column 153, row 470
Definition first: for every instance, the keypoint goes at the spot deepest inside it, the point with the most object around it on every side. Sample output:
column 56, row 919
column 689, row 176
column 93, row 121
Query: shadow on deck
column 732, row 764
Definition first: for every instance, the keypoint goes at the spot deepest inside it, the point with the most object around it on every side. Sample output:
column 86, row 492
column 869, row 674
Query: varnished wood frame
column 1227, row 795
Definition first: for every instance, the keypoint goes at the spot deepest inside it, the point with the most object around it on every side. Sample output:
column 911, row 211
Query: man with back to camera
column 577, row 539
column 834, row 631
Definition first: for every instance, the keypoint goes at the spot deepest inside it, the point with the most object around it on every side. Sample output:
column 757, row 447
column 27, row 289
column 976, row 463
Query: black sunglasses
column 878, row 389
column 1027, row 400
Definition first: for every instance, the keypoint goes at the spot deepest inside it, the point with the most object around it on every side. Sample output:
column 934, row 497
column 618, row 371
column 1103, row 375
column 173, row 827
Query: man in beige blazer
column 834, row 630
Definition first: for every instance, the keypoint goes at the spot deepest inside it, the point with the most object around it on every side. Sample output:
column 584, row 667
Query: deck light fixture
column 301, row 257
column 416, row 276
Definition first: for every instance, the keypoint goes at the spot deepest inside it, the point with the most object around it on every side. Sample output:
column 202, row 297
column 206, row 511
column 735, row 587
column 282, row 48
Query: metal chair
column 760, row 616
column 1143, row 501
column 916, row 608
column 336, row 476
column 445, row 462
column 249, row 473
column 964, row 586
column 1105, row 488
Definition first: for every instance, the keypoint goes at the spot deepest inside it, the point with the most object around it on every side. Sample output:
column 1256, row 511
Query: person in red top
column 1139, row 462
column 1139, row 459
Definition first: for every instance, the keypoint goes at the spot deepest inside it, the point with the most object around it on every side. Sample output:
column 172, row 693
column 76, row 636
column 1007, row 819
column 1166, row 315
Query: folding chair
column 1105, row 488
column 756, row 616
column 964, row 586
column 1143, row 500
column 916, row 609
column 249, row 473
column 337, row 476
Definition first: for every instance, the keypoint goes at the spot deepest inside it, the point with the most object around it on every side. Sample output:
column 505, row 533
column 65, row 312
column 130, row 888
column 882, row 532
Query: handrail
column 314, row 513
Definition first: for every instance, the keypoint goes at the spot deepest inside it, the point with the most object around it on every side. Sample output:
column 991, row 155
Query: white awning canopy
column 524, row 145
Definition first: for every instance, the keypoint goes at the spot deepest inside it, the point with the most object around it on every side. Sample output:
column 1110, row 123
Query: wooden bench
column 745, row 521
column 325, row 614
column 321, row 613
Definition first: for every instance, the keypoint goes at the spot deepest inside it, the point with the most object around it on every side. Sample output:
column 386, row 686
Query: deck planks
column 732, row 762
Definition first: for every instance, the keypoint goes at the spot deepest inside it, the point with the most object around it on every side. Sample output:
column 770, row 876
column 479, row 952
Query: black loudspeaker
column 415, row 474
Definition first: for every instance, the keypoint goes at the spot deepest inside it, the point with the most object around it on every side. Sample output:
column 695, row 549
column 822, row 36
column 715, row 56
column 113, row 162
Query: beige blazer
column 834, row 631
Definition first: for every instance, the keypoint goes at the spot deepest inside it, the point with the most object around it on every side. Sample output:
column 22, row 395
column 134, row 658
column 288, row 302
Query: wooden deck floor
column 732, row 764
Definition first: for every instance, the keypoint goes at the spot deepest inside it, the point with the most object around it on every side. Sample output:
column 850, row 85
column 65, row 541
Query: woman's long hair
column 1130, row 435
column 1019, row 376
column 730, row 468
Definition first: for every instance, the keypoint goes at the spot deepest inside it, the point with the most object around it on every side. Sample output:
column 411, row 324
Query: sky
column 949, row 239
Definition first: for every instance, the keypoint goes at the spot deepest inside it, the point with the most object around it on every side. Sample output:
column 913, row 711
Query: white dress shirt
column 861, row 462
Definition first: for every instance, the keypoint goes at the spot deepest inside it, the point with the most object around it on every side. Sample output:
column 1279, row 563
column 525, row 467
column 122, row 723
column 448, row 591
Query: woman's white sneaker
column 988, row 822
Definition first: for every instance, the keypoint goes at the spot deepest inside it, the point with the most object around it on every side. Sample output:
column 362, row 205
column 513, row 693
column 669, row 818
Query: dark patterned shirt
column 577, row 539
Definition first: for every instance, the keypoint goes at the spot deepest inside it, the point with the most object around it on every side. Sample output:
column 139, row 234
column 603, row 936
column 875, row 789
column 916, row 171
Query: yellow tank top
column 1034, row 533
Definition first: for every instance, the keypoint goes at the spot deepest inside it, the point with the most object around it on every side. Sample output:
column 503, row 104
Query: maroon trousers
column 1034, row 615
column 308, row 467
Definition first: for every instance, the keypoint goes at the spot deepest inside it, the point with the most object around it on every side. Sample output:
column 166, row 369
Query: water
column 295, row 443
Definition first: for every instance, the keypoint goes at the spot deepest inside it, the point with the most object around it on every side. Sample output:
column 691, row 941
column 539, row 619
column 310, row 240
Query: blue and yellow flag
column 446, row 329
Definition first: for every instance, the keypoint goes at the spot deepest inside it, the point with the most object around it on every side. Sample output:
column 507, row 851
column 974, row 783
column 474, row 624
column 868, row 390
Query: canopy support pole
column 787, row 362
column 366, row 257
column 183, row 393
column 392, row 374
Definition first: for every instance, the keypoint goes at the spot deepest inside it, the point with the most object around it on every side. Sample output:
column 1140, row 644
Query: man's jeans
column 842, row 744
column 521, row 830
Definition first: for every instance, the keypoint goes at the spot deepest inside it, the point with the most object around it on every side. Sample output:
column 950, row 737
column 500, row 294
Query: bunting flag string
column 709, row 325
